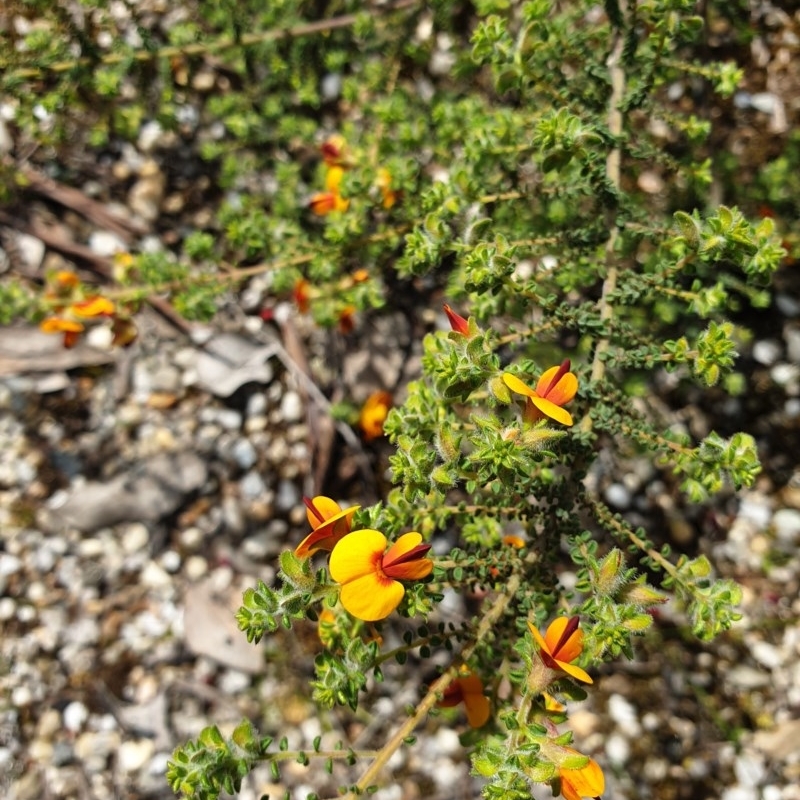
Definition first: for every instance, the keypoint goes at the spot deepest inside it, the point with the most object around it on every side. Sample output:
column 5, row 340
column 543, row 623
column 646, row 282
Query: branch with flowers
column 477, row 172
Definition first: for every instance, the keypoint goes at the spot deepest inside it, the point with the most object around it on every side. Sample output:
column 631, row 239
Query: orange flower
column 561, row 644
column 457, row 322
column 384, row 183
column 360, row 276
column 69, row 327
column 331, row 199
column 468, row 689
column 301, row 295
column 329, row 522
column 587, row 781
column 347, row 319
column 370, row 575
column 555, row 388
column 373, row 414
column 514, row 541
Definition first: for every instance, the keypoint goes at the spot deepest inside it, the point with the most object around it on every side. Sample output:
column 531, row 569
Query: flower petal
column 319, row 509
column 552, row 410
column 516, row 385
column 406, row 558
column 587, row 781
column 368, row 597
column 539, row 639
column 95, row 306
column 555, row 633
column 357, row 555
column 564, row 390
column 571, row 647
column 574, row 671
column 59, row 325
column 478, row 709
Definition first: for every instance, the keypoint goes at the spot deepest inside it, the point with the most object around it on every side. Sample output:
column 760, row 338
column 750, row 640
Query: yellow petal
column 369, row 598
column 552, row 410
column 574, row 671
column 333, row 178
column 319, row 509
column 408, row 541
column 537, row 637
column 356, row 555
column 516, row 385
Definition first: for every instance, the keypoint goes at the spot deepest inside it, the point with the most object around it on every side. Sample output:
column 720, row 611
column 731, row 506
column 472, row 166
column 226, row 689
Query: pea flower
column 587, row 781
column 334, row 151
column 301, row 294
column 561, row 644
column 69, row 318
column 383, row 180
column 555, row 388
column 322, row 203
column 457, row 322
column 370, row 574
column 373, row 414
column 329, row 522
column 468, row 689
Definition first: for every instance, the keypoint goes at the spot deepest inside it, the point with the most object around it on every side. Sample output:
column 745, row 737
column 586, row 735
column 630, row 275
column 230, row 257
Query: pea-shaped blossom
column 555, row 388
column 373, row 414
column 468, row 689
column 587, row 781
column 370, row 574
column 561, row 644
column 329, row 522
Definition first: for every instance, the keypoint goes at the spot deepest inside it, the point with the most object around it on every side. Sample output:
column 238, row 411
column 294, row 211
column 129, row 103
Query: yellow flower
column 468, row 689
column 95, row 306
column 373, row 414
column 331, row 199
column 370, row 575
column 334, row 151
column 587, row 781
column 561, row 644
column 555, row 388
column 69, row 327
column 330, row 524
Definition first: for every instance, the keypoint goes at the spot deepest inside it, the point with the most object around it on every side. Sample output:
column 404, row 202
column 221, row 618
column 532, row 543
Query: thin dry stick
column 435, row 692
column 613, row 165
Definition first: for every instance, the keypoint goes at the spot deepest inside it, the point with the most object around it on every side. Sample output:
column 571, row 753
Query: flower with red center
column 370, row 574
column 331, row 199
column 561, row 644
column 301, row 295
column 555, row 388
column 587, row 781
column 330, row 523
column 457, row 322
column 468, row 689
column 347, row 319
column 95, row 306
column 373, row 414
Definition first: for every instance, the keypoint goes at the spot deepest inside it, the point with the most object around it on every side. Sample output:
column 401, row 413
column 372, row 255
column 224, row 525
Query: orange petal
column 539, row 639
column 587, row 781
column 320, row 509
column 478, row 709
column 551, row 410
column 457, row 322
column 369, row 598
column 96, row 306
column 516, row 385
column 356, row 555
column 557, row 633
column 60, row 325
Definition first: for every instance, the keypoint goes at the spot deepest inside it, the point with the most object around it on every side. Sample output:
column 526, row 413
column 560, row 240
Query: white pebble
column 618, row 749
column 74, row 716
column 624, row 715
column 749, row 769
column 766, row 654
column 8, row 608
column 135, row 538
column 21, row 696
column 786, row 522
column 291, row 407
column 195, row 568
column 740, row 793
column 618, row 496
column 767, row 352
column 133, row 755
column 171, row 561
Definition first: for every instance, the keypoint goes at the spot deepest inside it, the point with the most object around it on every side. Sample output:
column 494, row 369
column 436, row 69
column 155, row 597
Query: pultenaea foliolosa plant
column 491, row 155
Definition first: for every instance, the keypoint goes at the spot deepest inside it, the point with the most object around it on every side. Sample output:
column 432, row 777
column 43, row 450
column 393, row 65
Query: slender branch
column 435, row 692
column 201, row 48
column 613, row 173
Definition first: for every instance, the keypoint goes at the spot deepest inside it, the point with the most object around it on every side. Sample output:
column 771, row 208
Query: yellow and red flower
column 373, row 414
column 331, row 199
column 301, row 294
column 330, row 524
column 69, row 314
column 555, row 389
column 468, row 689
column 370, row 575
column 587, row 781
column 334, row 151
column 561, row 644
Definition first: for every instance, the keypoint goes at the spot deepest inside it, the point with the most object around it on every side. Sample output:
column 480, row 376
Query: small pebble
column 617, row 496
column 291, row 407
column 74, row 716
column 767, row 351
column 133, row 755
